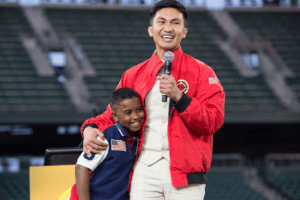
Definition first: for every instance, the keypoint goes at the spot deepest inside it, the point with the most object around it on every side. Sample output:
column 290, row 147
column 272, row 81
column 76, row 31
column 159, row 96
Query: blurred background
column 61, row 59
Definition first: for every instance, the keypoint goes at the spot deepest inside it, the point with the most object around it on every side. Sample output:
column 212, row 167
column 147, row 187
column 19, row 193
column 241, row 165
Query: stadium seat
column 283, row 30
column 19, row 81
column 226, row 179
column 282, row 173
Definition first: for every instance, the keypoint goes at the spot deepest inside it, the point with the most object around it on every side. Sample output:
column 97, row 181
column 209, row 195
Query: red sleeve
column 74, row 194
column 102, row 121
column 204, row 113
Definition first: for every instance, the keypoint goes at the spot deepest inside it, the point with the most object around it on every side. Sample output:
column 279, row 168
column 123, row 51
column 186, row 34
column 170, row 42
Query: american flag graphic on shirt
column 118, row 145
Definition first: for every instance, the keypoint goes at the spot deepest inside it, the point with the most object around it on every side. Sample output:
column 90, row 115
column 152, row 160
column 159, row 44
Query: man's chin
column 170, row 49
column 166, row 48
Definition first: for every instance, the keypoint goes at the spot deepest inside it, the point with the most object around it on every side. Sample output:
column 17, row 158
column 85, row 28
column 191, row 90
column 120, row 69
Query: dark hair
column 120, row 95
column 169, row 4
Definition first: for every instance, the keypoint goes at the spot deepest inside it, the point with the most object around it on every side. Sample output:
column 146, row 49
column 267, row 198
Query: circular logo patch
column 183, row 85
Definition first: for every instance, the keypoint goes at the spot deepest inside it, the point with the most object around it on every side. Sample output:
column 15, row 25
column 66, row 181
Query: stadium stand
column 14, row 185
column 282, row 173
column 116, row 40
column 243, row 95
column 226, row 179
column 22, row 90
column 111, row 42
column 282, row 29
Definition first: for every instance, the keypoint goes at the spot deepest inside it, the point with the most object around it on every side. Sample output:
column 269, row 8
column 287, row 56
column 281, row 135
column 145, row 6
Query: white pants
column 154, row 182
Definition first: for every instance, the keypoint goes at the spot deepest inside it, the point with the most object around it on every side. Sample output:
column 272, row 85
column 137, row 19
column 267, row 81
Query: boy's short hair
column 169, row 4
column 120, row 95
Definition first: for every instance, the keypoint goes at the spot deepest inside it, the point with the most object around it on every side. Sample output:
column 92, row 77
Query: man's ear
column 150, row 31
column 114, row 115
column 185, row 31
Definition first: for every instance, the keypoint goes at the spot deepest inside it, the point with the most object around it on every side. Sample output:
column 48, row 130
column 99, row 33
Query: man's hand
column 169, row 87
column 90, row 143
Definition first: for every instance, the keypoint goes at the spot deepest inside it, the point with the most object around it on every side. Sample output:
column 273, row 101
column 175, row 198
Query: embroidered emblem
column 212, row 80
column 118, row 145
column 183, row 85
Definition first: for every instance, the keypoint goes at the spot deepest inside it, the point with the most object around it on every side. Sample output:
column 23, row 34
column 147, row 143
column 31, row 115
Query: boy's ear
column 114, row 115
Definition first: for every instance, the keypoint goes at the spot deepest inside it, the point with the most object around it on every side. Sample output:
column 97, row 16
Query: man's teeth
column 169, row 37
column 135, row 123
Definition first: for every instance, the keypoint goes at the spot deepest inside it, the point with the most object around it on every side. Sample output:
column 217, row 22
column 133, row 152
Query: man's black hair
column 120, row 95
column 169, row 4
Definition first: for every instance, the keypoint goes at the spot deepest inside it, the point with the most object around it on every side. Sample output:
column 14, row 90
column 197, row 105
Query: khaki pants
column 154, row 182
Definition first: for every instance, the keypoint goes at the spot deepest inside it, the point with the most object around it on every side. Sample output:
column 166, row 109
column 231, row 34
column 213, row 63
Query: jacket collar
column 156, row 63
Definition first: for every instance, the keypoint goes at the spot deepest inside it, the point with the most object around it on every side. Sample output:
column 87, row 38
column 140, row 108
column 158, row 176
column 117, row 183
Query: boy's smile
column 130, row 114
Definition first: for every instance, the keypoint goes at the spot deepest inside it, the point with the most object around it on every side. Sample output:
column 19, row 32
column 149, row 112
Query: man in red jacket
column 175, row 147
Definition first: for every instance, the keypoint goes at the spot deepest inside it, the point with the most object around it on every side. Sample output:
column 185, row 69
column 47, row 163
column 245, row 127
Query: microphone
column 169, row 56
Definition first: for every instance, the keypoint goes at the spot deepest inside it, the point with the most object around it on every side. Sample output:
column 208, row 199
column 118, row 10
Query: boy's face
column 167, row 29
column 130, row 114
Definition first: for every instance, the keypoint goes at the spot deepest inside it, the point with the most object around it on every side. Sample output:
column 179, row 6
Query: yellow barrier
column 51, row 182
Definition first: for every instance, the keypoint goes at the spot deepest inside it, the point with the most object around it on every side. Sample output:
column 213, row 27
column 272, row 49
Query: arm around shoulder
column 94, row 127
column 100, row 122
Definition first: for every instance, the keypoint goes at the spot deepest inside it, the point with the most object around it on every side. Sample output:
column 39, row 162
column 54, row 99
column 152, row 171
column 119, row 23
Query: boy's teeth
column 168, row 37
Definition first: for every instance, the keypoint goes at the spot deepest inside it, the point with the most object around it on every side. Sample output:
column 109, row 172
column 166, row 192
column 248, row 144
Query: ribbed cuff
column 89, row 125
column 197, row 178
column 183, row 103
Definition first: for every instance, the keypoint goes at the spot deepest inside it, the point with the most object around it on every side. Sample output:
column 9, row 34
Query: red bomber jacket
column 193, row 119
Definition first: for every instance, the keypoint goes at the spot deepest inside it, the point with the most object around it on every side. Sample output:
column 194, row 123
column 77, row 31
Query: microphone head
column 169, row 56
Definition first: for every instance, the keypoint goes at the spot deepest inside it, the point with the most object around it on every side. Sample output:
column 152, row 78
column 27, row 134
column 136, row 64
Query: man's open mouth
column 167, row 37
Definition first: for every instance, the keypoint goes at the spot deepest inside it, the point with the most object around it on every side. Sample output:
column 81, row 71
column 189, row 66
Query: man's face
column 167, row 29
column 130, row 114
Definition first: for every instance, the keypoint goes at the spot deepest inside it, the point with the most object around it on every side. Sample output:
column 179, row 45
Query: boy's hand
column 90, row 143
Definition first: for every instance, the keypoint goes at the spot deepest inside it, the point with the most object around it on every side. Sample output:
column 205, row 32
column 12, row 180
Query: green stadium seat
column 283, row 30
column 19, row 80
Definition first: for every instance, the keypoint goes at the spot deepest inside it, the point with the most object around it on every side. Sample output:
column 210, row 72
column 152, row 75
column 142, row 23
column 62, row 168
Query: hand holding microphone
column 168, row 84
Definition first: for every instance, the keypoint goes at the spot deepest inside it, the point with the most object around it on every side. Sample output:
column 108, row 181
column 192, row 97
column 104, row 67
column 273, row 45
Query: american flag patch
column 118, row 145
column 212, row 81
